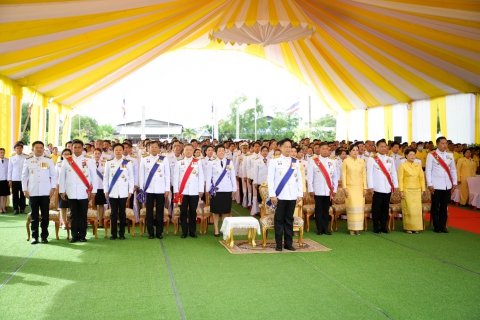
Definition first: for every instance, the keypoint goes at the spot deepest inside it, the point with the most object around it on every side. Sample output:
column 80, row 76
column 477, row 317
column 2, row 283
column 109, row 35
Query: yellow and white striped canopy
column 364, row 53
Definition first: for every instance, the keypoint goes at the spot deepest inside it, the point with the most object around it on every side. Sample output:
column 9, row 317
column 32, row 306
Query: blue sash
column 115, row 177
column 214, row 188
column 282, row 183
column 142, row 194
column 100, row 174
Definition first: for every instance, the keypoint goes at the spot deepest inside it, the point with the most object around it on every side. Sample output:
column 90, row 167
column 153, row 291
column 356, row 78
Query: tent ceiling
column 364, row 53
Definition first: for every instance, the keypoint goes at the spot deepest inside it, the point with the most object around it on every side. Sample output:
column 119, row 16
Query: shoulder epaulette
column 49, row 157
column 180, row 159
column 13, row 154
column 333, row 158
column 110, row 159
column 87, row 156
column 104, row 160
column 144, row 155
column 29, row 157
column 133, row 155
column 25, row 154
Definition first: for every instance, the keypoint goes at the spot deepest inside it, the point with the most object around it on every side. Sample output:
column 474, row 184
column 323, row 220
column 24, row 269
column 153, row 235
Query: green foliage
column 26, row 135
column 90, row 129
column 281, row 125
column 189, row 133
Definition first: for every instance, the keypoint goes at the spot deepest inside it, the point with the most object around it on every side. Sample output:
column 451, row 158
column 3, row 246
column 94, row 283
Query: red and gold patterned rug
column 242, row 247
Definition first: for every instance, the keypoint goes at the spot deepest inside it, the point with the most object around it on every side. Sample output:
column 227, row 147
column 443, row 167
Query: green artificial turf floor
column 393, row 276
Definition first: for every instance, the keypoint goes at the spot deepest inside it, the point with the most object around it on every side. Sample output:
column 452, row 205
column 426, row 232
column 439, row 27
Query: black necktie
column 97, row 164
column 264, row 160
column 2, row 160
column 221, row 163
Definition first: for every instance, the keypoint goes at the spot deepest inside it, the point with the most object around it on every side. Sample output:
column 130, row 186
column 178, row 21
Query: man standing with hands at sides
column 39, row 182
column 381, row 181
column 118, row 184
column 285, row 189
column 14, row 177
column 322, row 184
column 154, row 177
column 78, row 181
column 221, row 184
column 441, row 177
column 188, row 184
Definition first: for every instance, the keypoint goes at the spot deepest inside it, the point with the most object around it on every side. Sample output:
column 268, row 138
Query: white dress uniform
column 135, row 167
column 293, row 189
column 339, row 163
column 377, row 181
column 315, row 179
column 14, row 174
column 260, row 170
column 70, row 183
column 161, row 179
column 253, row 197
column 39, row 178
column 193, row 186
column 213, row 172
column 438, row 177
column 3, row 169
column 119, row 191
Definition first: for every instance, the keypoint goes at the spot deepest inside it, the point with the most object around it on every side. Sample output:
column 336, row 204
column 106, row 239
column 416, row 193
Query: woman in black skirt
column 100, row 199
column 221, row 185
column 62, row 204
column 4, row 188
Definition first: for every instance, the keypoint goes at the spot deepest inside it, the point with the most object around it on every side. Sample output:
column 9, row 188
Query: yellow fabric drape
column 477, row 118
column 438, row 109
column 388, row 122
column 10, row 92
column 410, row 122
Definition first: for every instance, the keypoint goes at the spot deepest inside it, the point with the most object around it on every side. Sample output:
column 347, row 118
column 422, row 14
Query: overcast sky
column 181, row 86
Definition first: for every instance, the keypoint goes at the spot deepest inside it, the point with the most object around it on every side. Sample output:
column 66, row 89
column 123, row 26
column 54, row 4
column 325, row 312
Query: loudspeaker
column 397, row 139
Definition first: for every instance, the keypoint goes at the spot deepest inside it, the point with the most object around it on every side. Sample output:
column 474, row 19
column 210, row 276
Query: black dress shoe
column 113, row 238
column 73, row 240
column 151, row 237
column 15, row 212
column 436, row 231
column 319, row 233
column 194, row 235
column 376, row 231
column 290, row 248
column 385, row 231
column 34, row 241
column 122, row 237
column 328, row 233
column 44, row 240
column 160, row 236
column 217, row 235
column 183, row 236
column 23, row 212
column 444, row 231
column 278, row 248
column 82, row 240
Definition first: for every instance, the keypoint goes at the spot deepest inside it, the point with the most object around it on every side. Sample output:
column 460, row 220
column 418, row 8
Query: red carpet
column 464, row 219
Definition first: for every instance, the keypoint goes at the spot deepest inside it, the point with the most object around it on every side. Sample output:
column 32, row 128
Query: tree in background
column 89, row 129
column 26, row 135
column 189, row 133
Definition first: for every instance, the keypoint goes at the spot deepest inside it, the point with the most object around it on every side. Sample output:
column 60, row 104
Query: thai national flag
column 123, row 108
column 293, row 108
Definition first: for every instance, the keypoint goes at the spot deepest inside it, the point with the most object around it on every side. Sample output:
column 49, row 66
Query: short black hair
column 283, row 141
column 353, row 146
column 409, row 150
column 76, row 141
column 381, row 141
column 465, row 151
column 440, row 139
column 264, row 147
column 218, row 146
column 37, row 142
column 18, row 144
column 323, row 144
column 118, row 145
column 395, row 143
column 66, row 150
column 71, row 142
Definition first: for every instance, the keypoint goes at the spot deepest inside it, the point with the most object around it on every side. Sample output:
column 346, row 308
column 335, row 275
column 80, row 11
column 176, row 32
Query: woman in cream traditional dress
column 354, row 178
column 466, row 168
column 411, row 182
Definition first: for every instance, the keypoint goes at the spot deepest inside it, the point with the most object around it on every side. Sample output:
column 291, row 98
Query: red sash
column 325, row 174
column 79, row 173
column 179, row 196
column 384, row 170
column 443, row 164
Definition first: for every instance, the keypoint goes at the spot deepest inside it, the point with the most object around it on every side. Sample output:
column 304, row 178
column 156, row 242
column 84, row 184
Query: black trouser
column 117, row 206
column 159, row 198
column 283, row 221
column 322, row 205
column 259, row 194
column 78, row 217
column 42, row 202
column 18, row 196
column 192, row 203
column 438, row 211
column 380, row 209
column 240, row 189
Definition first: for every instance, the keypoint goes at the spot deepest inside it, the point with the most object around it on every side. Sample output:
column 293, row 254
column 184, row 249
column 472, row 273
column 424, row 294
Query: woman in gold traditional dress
column 466, row 168
column 411, row 182
column 354, row 178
